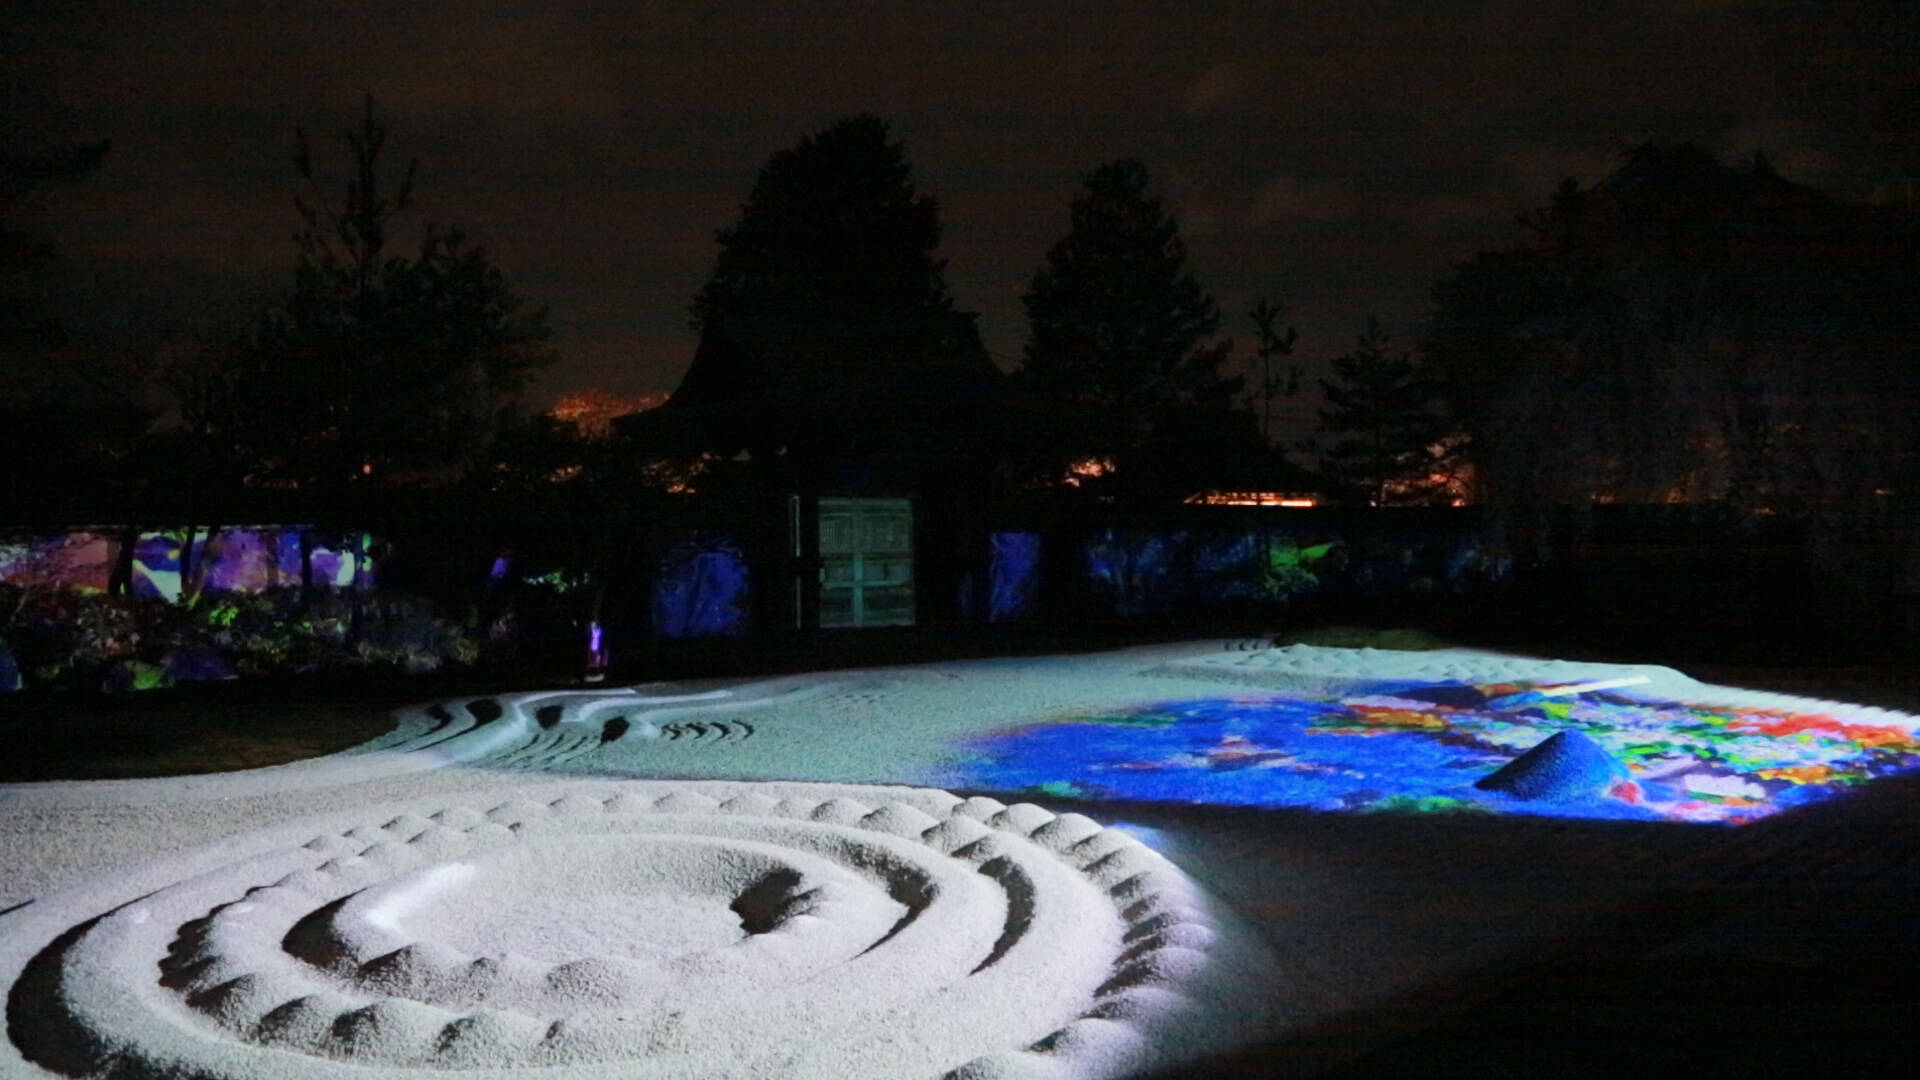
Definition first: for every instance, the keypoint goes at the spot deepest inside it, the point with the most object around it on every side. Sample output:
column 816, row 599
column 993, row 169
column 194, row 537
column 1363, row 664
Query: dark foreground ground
column 1790, row 949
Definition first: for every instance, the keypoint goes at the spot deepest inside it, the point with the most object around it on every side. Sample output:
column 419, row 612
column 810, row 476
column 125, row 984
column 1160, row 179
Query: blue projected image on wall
column 156, row 567
column 1154, row 572
column 702, row 589
column 1134, row 571
column 1013, row 571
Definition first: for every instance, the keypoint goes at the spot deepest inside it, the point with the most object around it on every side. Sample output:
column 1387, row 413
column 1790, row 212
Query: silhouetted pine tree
column 826, row 326
column 1686, row 329
column 374, row 366
column 1117, row 325
column 1386, row 411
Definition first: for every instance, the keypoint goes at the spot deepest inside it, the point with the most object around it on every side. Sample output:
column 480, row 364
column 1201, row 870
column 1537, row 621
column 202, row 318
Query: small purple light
column 500, row 566
column 596, row 653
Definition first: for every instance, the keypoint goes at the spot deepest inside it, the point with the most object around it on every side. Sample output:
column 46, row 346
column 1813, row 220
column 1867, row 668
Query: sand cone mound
column 1567, row 765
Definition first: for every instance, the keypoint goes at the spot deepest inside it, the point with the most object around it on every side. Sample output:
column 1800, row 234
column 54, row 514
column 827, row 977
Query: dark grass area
column 209, row 727
column 94, row 739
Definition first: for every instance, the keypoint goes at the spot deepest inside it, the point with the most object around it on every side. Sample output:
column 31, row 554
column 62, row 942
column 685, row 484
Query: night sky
column 1337, row 156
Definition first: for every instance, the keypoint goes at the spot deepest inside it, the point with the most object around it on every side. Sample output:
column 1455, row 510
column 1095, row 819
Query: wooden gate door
column 866, row 562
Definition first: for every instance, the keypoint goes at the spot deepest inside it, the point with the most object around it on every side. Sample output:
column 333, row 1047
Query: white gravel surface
column 721, row 879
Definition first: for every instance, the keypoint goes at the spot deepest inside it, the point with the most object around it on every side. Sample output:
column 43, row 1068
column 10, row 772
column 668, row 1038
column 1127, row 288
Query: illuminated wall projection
column 229, row 560
column 702, row 589
column 82, row 561
column 1448, row 746
column 249, row 560
column 1013, row 575
column 1150, row 572
column 1138, row 573
column 156, row 567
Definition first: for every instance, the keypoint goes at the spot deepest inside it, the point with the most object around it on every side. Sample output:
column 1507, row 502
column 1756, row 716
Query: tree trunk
column 188, row 592
column 306, row 568
column 120, row 582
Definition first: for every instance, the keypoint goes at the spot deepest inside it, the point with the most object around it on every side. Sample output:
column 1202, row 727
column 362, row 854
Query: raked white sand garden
column 825, row 876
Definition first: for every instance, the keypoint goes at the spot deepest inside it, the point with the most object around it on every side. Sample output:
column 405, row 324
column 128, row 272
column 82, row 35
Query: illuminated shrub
column 538, row 617
column 1288, row 569
column 410, row 634
column 62, row 635
column 257, row 631
column 63, row 638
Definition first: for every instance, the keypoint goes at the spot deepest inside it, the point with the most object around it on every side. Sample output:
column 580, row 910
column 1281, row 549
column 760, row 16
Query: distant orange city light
column 1087, row 469
column 1252, row 498
column 593, row 410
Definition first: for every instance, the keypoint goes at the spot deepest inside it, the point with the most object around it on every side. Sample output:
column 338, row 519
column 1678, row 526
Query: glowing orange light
column 1087, row 469
column 1252, row 498
column 593, row 410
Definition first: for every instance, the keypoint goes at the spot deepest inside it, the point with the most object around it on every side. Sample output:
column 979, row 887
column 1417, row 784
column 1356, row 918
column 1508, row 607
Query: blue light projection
column 1427, row 747
column 1013, row 575
column 156, row 567
column 1138, row 572
column 1133, row 571
column 702, row 589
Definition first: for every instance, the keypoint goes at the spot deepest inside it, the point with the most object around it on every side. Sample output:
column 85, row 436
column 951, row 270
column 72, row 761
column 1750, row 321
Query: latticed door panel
column 866, row 562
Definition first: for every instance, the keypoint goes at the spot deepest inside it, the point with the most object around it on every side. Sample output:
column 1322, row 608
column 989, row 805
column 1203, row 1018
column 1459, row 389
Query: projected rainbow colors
column 1423, row 746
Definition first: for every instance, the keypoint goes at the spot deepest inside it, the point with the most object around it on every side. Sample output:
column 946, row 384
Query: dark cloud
column 1337, row 156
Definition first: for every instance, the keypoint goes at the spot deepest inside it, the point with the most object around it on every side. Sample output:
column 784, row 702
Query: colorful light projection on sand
column 1426, row 747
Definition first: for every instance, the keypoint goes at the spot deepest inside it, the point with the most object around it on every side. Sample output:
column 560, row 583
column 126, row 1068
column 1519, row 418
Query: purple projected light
column 228, row 560
column 241, row 561
column 596, row 652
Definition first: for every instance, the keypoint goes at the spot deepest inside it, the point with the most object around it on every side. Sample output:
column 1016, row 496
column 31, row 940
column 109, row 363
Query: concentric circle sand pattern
column 639, row 929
